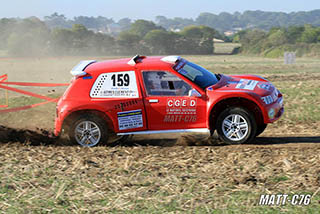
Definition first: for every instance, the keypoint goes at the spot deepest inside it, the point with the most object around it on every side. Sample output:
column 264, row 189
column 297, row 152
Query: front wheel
column 261, row 129
column 236, row 126
column 88, row 131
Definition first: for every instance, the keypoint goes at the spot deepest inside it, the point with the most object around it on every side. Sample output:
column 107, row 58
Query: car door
column 170, row 103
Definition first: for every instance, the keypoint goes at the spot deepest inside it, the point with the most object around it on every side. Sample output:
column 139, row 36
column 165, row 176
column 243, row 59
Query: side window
column 163, row 83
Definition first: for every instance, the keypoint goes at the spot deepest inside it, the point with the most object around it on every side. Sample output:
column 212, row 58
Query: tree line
column 258, row 20
column 221, row 22
column 304, row 40
column 32, row 37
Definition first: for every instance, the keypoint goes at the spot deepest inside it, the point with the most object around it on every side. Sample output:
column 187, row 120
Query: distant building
column 229, row 33
column 233, row 31
column 237, row 29
column 217, row 40
column 113, row 28
column 103, row 30
column 176, row 30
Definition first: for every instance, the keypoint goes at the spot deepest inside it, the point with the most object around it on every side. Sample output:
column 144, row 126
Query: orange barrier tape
column 26, row 92
column 3, row 78
column 35, row 84
column 27, row 107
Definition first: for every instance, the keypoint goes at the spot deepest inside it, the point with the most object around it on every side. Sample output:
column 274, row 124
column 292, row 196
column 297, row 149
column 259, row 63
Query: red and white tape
column 3, row 83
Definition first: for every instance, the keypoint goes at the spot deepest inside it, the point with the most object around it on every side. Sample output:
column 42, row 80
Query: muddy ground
column 40, row 136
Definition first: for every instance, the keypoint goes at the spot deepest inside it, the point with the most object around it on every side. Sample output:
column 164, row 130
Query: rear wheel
column 88, row 130
column 236, row 125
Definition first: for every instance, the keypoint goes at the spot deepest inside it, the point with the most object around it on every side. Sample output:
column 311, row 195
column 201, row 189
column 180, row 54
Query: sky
column 146, row 9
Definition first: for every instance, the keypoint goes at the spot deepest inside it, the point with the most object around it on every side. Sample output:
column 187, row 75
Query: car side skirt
column 205, row 130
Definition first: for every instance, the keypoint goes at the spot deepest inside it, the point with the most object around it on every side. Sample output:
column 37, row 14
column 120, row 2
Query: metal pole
column 7, row 96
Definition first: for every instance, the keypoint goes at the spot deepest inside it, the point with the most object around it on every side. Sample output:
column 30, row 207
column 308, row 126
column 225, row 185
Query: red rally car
column 147, row 95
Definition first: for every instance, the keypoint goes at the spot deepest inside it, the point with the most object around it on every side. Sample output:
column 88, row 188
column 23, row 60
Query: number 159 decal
column 121, row 79
column 114, row 85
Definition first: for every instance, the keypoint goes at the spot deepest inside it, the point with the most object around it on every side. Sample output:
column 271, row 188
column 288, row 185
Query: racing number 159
column 120, row 79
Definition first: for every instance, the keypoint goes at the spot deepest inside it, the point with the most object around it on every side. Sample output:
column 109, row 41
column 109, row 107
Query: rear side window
column 164, row 83
column 115, row 85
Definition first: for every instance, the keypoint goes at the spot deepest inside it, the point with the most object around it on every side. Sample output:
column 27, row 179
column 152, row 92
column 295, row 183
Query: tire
column 236, row 125
column 260, row 129
column 88, row 131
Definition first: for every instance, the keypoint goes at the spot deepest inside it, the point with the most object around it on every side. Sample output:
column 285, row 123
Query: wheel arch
column 223, row 104
column 77, row 113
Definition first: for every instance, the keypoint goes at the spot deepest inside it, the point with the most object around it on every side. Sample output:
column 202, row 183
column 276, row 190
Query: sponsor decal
column 180, row 65
column 181, row 106
column 181, row 110
column 280, row 101
column 233, row 82
column 130, row 119
column 283, row 199
column 265, row 86
column 123, row 105
column 247, row 84
column 115, row 85
column 179, row 118
column 271, row 98
column 274, row 96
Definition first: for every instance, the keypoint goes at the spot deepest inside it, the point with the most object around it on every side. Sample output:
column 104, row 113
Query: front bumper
column 275, row 110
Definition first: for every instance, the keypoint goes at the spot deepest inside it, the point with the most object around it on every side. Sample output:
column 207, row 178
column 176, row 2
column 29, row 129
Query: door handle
column 153, row 101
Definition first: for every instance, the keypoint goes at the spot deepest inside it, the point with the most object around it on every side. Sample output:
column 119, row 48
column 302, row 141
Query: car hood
column 243, row 83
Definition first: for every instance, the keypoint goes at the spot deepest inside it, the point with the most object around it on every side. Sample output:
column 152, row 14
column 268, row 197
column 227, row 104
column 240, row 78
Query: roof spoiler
column 136, row 59
column 171, row 59
column 78, row 70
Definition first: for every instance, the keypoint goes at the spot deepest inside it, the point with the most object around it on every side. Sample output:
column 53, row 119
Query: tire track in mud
column 44, row 137
column 37, row 137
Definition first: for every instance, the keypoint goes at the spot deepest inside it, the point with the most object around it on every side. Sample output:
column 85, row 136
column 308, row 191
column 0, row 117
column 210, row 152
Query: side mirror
column 194, row 93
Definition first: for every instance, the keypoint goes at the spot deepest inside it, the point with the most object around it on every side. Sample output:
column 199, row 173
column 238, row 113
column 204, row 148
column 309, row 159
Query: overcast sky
column 146, row 9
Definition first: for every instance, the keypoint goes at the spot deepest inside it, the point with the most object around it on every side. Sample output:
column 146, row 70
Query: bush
column 274, row 52
column 302, row 40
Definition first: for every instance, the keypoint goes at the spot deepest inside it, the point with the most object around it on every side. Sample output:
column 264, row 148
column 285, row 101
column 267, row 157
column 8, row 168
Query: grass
column 278, row 179
column 173, row 179
column 225, row 48
column 3, row 53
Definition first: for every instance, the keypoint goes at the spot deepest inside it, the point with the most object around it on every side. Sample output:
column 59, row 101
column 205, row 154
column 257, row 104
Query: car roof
column 147, row 63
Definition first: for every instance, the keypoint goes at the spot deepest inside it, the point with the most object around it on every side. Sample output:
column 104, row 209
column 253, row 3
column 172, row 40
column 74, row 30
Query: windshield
column 196, row 73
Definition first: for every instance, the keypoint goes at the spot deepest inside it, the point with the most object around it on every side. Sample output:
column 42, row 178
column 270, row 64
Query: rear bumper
column 58, row 127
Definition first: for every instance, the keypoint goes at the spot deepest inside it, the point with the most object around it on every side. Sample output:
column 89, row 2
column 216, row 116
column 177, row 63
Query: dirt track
column 44, row 137
column 157, row 172
column 153, row 172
